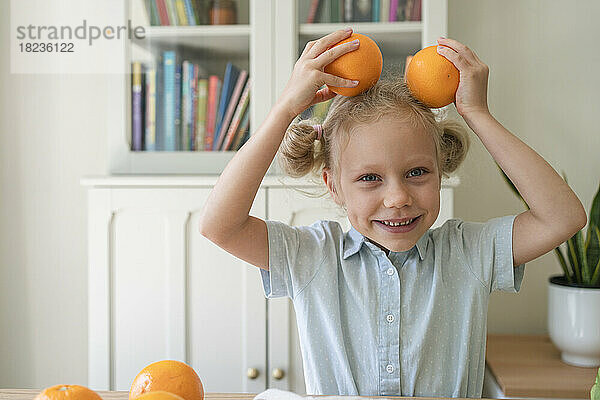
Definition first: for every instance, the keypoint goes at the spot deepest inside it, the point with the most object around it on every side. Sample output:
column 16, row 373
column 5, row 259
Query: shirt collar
column 354, row 240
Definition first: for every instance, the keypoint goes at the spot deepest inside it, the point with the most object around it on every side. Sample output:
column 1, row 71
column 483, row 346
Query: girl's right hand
column 303, row 88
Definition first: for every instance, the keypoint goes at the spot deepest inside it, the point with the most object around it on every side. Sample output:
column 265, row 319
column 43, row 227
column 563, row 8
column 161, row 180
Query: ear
column 330, row 183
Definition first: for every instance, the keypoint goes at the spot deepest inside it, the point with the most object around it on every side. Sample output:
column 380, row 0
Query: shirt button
column 390, row 271
column 390, row 318
column 389, row 368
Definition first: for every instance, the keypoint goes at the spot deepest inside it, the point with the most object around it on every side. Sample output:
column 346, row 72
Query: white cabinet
column 267, row 41
column 160, row 290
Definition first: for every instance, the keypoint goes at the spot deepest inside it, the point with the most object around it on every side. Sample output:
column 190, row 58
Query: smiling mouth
column 397, row 222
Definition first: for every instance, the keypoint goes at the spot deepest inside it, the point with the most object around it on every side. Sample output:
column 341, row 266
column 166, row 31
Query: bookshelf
column 266, row 41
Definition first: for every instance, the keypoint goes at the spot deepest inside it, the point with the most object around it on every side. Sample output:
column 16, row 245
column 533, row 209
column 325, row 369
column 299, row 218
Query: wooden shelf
column 218, row 39
column 530, row 366
column 395, row 39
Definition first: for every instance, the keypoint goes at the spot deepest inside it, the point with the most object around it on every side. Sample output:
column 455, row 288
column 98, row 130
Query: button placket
column 389, row 349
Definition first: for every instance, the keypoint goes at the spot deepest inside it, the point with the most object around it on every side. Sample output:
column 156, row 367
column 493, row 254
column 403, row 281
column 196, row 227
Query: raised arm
column 555, row 212
column 225, row 218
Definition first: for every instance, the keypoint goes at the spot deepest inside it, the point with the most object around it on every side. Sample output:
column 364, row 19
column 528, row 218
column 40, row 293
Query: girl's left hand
column 471, row 96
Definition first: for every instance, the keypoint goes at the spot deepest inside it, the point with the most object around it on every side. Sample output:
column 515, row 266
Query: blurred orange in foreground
column 67, row 392
column 170, row 376
column 159, row 395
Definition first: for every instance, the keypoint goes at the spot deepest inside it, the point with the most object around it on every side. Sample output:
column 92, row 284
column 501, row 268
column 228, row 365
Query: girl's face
column 388, row 174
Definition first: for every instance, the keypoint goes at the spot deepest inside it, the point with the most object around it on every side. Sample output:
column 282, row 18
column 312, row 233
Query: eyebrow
column 421, row 161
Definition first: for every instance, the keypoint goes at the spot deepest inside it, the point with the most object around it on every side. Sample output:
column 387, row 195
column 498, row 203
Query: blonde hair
column 301, row 153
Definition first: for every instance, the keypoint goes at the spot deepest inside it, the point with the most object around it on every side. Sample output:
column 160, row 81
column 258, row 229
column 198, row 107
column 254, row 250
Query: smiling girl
column 390, row 307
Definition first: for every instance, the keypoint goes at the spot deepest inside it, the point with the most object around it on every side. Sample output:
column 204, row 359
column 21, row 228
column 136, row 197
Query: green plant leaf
column 563, row 264
column 582, row 259
column 573, row 259
column 594, row 216
column 596, row 276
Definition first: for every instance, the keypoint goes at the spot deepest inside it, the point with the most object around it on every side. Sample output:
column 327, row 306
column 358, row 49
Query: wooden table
column 29, row 394
column 530, row 366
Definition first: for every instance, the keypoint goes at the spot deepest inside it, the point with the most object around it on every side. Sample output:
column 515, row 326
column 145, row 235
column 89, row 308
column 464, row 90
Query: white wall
column 544, row 83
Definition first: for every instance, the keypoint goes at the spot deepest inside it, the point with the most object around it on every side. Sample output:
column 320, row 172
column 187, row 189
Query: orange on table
column 363, row 65
column 170, row 376
column 67, row 392
column 431, row 78
column 159, row 395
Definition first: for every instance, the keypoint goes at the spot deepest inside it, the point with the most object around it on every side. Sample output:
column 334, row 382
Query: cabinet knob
column 252, row 373
column 278, row 373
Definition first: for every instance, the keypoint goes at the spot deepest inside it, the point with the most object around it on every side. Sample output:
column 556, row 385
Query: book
column 384, row 11
column 136, row 106
column 189, row 12
column 195, row 71
column 172, row 12
column 150, row 131
column 231, row 106
column 201, row 113
column 393, row 10
column 168, row 101
column 229, row 80
column 362, row 10
column 211, row 110
column 161, row 6
column 177, row 107
column 375, row 13
column 181, row 15
column 185, row 105
column 242, row 134
column 237, row 116
column 312, row 11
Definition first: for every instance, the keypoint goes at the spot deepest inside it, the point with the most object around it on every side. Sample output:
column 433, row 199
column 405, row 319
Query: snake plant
column 583, row 267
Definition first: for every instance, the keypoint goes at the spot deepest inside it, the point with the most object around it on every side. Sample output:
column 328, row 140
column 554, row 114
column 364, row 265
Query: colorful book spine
column 231, row 106
column 375, row 10
column 384, row 12
column 201, row 113
column 393, row 10
column 243, row 132
column 237, row 117
column 136, row 106
column 185, row 102
column 229, row 80
column 150, row 133
column 172, row 11
column 180, row 9
column 163, row 14
column 189, row 12
column 195, row 73
column 178, row 106
column 168, row 105
column 211, row 111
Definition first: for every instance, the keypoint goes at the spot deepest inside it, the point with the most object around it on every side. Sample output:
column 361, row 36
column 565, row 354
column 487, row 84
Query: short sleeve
column 488, row 250
column 295, row 254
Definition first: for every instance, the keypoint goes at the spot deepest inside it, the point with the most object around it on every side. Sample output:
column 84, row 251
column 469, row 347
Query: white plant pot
column 574, row 322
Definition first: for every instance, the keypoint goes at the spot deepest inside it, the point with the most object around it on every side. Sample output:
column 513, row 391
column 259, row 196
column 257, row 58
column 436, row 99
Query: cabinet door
column 166, row 292
column 293, row 207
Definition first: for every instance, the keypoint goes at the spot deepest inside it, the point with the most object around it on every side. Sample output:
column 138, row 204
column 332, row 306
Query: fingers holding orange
column 324, row 43
column 363, row 64
column 432, row 78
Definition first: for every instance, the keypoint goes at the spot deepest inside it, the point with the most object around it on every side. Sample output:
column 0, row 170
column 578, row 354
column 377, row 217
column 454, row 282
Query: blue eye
column 368, row 178
column 418, row 169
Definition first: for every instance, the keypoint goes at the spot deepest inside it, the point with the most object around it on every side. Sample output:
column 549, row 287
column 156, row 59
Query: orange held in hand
column 169, row 376
column 68, row 392
column 363, row 65
column 431, row 78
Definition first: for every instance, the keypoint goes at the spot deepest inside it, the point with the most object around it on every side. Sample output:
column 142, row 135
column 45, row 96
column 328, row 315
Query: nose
column 397, row 196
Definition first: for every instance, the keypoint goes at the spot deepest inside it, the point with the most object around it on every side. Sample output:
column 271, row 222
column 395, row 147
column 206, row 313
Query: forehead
column 388, row 141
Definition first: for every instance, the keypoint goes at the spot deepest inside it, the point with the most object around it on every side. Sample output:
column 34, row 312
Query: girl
column 389, row 307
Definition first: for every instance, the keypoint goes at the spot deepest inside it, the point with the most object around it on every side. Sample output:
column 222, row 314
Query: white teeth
column 397, row 223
